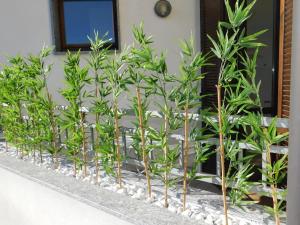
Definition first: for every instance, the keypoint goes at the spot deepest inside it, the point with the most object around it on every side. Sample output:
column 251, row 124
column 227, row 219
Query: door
column 264, row 16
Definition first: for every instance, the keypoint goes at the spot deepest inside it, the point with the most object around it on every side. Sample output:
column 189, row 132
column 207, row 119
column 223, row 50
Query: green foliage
column 156, row 80
column 76, row 78
column 12, row 96
column 29, row 116
column 241, row 109
column 24, row 82
column 103, row 146
column 117, row 82
column 240, row 93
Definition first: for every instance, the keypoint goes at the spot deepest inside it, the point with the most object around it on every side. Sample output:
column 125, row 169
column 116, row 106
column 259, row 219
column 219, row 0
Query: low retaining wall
column 32, row 195
column 25, row 202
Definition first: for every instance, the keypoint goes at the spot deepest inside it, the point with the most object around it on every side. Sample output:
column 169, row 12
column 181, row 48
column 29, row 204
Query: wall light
column 163, row 8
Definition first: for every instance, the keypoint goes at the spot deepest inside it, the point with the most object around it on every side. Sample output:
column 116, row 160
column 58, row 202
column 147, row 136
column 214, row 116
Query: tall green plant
column 12, row 97
column 48, row 115
column 187, row 99
column 33, row 88
column 158, row 83
column 233, row 91
column 40, row 106
column 117, row 82
column 74, row 116
column 97, row 62
column 261, row 139
column 140, row 79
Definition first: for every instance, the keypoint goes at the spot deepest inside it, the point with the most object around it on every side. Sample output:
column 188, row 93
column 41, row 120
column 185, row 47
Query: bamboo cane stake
column 117, row 136
column 97, row 120
column 186, row 154
column 166, row 204
column 274, row 189
column 143, row 144
column 84, row 150
column 222, row 154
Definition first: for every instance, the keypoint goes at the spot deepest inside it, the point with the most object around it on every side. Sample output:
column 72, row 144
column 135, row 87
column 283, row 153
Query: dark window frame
column 60, row 32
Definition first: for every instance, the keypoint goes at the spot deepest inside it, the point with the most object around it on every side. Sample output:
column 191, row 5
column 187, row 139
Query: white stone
column 200, row 216
column 221, row 221
column 140, row 191
column 187, row 213
column 86, row 179
column 136, row 196
column 172, row 209
column 121, row 191
column 209, row 219
column 243, row 222
column 159, row 204
column 150, row 199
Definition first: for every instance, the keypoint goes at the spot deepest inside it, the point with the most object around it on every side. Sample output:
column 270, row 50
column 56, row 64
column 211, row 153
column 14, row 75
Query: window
column 76, row 20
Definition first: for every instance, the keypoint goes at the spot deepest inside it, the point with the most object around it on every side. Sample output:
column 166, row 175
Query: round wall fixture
column 163, row 8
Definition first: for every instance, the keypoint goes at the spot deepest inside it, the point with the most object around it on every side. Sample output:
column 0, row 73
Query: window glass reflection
column 82, row 18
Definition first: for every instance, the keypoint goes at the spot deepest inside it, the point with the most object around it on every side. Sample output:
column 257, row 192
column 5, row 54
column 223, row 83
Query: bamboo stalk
column 6, row 146
column 97, row 136
column 84, row 150
column 143, row 143
column 40, row 148
column 166, row 204
column 22, row 152
column 74, row 165
column 96, row 151
column 186, row 154
column 41, row 153
column 117, row 136
column 54, row 131
column 53, row 125
column 74, row 160
column 222, row 153
column 34, row 145
column 274, row 190
column 34, row 157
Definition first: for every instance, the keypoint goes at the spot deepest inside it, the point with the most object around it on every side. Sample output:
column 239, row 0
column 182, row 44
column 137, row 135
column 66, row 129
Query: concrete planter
column 31, row 195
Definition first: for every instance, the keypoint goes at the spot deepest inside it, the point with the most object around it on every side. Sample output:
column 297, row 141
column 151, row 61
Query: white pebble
column 200, row 216
column 121, row 191
column 172, row 208
column 209, row 219
column 187, row 213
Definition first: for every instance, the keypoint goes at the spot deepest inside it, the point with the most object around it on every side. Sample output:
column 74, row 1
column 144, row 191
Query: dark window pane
column 82, row 18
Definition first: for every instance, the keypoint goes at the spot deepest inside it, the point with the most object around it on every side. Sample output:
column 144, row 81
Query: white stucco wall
column 24, row 202
column 26, row 25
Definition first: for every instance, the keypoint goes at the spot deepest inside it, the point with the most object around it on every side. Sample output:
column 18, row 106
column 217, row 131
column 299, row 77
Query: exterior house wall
column 27, row 25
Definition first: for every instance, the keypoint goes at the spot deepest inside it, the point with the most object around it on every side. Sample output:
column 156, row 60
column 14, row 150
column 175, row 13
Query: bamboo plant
column 12, row 97
column 97, row 62
column 233, row 91
column 74, row 116
column 33, row 88
column 140, row 79
column 158, row 83
column 39, row 105
column 261, row 139
column 48, row 116
column 117, row 81
column 187, row 98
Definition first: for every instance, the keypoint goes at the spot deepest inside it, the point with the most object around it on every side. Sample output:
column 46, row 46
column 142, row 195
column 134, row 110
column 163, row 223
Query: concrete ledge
column 30, row 195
